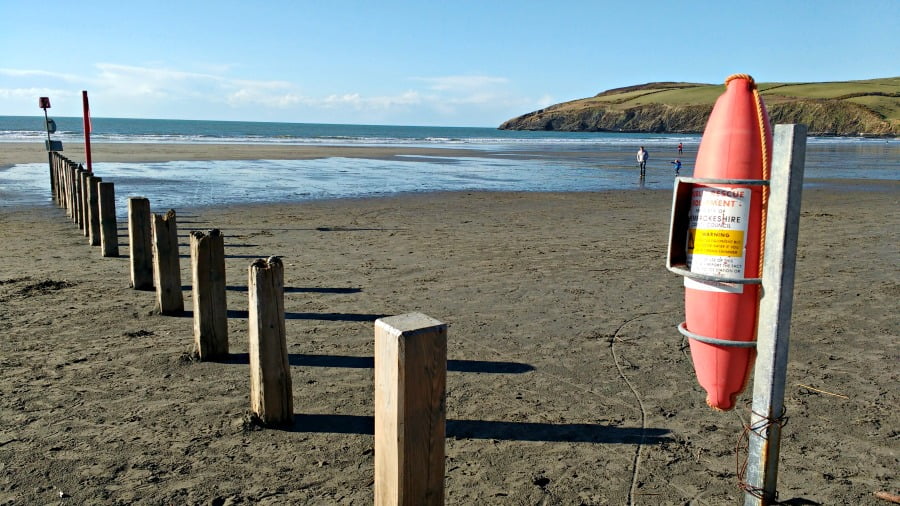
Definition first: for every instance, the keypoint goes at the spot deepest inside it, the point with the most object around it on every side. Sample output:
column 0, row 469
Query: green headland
column 847, row 108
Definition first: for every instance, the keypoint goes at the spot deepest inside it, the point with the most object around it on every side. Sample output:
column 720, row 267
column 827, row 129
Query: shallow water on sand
column 200, row 183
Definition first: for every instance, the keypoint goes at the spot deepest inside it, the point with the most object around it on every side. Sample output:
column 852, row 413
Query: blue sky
column 458, row 63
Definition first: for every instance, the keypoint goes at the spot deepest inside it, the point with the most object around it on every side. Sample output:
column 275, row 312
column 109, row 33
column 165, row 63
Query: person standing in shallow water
column 680, row 148
column 642, row 157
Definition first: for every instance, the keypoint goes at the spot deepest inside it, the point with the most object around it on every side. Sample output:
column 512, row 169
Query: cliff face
column 833, row 117
column 846, row 109
column 655, row 118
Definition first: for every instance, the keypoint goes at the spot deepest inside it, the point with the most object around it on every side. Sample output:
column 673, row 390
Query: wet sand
column 31, row 152
column 567, row 382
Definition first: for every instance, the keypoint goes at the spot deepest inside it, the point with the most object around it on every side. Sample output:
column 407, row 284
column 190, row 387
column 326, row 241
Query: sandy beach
column 567, row 381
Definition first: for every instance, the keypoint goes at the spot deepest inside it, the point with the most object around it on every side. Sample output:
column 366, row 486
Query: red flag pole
column 87, row 131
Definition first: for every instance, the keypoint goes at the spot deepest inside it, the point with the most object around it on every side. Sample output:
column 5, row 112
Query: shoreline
column 32, row 152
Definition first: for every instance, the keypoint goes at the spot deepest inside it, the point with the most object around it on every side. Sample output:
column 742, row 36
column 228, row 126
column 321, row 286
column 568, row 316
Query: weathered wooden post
column 64, row 185
column 54, row 187
column 52, row 161
column 84, row 194
column 61, row 165
column 70, row 191
column 140, row 243
column 93, row 223
column 63, row 169
column 76, row 216
column 109, row 233
column 70, row 197
column 60, row 182
column 410, row 412
column 57, row 161
column 86, row 200
column 166, row 266
column 210, row 307
column 271, row 396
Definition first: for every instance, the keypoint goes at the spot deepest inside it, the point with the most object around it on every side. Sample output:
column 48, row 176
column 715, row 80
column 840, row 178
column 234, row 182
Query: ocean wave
column 20, row 136
column 138, row 131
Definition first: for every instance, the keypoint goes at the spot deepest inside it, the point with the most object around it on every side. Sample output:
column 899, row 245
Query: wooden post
column 166, row 266
column 139, row 240
column 72, row 190
column 64, row 186
column 61, row 180
column 210, row 308
column 51, row 159
column 64, row 173
column 93, row 184
column 61, row 169
column 775, row 307
column 85, row 203
column 76, row 197
column 109, row 233
column 271, row 396
column 410, row 412
column 57, row 175
column 69, row 169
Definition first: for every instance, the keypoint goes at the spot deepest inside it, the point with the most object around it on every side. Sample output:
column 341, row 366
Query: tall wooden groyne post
column 271, row 394
column 109, row 233
column 53, row 158
column 167, row 267
column 93, row 223
column 410, row 410
column 76, row 195
column 83, row 200
column 210, row 307
column 140, row 239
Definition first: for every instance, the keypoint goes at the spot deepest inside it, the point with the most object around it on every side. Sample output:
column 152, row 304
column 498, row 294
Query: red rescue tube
column 726, row 239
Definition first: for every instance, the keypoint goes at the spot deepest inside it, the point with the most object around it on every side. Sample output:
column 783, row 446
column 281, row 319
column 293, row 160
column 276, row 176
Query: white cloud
column 251, row 95
column 156, row 90
column 32, row 93
column 27, row 73
column 360, row 102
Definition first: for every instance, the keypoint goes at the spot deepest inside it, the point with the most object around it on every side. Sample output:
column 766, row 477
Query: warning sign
column 717, row 236
column 727, row 243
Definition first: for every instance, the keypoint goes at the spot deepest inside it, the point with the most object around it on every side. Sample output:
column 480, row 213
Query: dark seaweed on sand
column 43, row 287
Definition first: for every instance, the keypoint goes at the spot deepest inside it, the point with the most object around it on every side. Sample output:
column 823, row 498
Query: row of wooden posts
column 410, row 349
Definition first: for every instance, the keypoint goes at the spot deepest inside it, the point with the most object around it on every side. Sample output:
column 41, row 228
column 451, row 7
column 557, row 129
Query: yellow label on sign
column 717, row 236
column 722, row 243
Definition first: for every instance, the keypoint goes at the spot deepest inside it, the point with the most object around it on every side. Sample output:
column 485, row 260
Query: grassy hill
column 847, row 108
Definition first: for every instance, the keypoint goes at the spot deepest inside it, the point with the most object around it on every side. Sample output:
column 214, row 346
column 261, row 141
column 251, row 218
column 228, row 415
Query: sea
column 494, row 160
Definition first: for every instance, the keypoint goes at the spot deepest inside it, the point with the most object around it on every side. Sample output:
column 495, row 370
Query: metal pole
column 49, row 152
column 773, row 334
column 87, row 131
column 47, row 126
